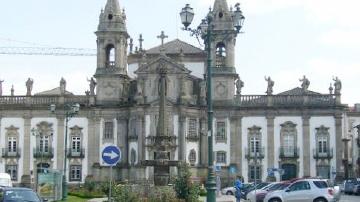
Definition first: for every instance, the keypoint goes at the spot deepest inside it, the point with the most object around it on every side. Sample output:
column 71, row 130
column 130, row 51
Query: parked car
column 231, row 190
column 306, row 190
column 258, row 185
column 261, row 193
column 349, row 185
column 356, row 189
column 19, row 194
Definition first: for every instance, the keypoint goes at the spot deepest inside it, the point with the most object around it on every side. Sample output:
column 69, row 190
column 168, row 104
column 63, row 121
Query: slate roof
column 299, row 91
column 55, row 91
column 174, row 46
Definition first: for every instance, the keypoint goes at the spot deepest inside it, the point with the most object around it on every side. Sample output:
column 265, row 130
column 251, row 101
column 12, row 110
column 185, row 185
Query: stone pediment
column 162, row 61
column 55, row 91
column 299, row 91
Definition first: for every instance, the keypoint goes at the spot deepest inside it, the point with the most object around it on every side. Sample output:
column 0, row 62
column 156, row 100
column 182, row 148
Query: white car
column 228, row 191
column 305, row 190
column 251, row 195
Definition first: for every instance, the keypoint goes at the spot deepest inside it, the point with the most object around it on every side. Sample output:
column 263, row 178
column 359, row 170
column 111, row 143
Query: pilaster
column 182, row 155
column 338, row 141
column 236, row 142
column 306, row 144
column 203, row 143
column 60, row 147
column 26, row 149
column 270, row 141
column 140, row 127
column 93, row 142
column 122, row 140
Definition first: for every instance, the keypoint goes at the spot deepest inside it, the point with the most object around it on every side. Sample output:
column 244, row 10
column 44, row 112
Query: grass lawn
column 75, row 199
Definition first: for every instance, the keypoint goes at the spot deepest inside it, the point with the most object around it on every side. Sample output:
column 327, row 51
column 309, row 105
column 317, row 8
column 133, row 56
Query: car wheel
column 320, row 200
column 275, row 200
column 229, row 193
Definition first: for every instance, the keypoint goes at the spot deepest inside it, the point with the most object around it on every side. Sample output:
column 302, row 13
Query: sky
column 283, row 39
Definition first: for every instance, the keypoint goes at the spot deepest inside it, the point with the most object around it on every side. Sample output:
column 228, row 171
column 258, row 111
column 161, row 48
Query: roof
column 55, row 91
column 299, row 91
column 174, row 47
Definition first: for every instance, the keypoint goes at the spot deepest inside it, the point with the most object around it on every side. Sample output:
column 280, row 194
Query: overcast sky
column 284, row 39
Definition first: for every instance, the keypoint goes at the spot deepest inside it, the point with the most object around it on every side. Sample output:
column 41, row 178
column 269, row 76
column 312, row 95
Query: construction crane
column 55, row 51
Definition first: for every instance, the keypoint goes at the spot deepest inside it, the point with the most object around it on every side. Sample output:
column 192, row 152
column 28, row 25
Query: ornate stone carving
column 337, row 85
column 92, row 85
column 221, row 89
column 270, row 85
column 305, row 83
column 29, row 85
column 239, row 84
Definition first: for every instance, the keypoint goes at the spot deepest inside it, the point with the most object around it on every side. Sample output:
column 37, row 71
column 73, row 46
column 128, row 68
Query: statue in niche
column 92, row 85
column 1, row 81
column 62, row 85
column 305, row 83
column 29, row 85
column 239, row 84
column 270, row 85
column 337, row 85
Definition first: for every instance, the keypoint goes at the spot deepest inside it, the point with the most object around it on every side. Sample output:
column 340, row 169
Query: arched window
column 110, row 55
column 220, row 55
column 288, row 135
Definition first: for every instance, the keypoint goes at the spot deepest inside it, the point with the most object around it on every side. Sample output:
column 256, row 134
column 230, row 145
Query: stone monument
column 29, row 85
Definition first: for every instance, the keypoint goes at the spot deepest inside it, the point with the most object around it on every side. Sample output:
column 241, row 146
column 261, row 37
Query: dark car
column 356, row 189
column 349, row 185
column 18, row 194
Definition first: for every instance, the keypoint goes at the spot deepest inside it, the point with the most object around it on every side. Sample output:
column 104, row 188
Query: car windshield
column 21, row 195
column 321, row 184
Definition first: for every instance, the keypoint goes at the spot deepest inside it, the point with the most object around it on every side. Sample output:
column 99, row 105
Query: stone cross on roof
column 140, row 42
column 162, row 36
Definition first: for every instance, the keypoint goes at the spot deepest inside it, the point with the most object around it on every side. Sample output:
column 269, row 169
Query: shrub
column 89, row 183
column 124, row 193
column 162, row 194
column 184, row 188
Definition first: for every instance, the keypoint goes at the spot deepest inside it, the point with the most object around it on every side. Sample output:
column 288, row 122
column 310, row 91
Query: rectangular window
column 192, row 128
column 44, row 144
column 220, row 131
column 75, row 173
column 254, row 145
column 75, row 144
column 254, row 172
column 12, row 170
column 109, row 130
column 220, row 157
column 12, row 144
column 322, row 145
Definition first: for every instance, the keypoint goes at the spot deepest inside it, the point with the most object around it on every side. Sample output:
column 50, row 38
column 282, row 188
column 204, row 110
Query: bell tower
column 223, row 50
column 111, row 71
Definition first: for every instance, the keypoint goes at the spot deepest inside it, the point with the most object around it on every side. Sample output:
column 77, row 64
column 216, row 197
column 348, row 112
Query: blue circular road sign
column 111, row 155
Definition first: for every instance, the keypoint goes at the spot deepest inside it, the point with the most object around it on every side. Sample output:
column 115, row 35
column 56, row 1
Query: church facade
column 292, row 134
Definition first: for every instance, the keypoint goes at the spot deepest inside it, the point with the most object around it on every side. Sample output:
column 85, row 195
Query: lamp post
column 206, row 31
column 70, row 110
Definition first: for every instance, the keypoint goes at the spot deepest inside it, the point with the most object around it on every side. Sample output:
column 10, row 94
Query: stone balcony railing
column 74, row 153
column 10, row 154
column 286, row 100
column 43, row 100
column 289, row 152
column 42, row 153
column 251, row 154
column 323, row 154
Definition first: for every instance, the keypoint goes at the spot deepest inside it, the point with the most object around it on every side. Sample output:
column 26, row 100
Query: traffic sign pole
column 110, row 184
column 111, row 155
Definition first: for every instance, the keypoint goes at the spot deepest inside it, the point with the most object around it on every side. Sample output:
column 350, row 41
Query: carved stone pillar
column 140, row 130
column 26, row 149
column 338, row 141
column 60, row 147
column 306, row 144
column 122, row 140
column 270, row 141
column 93, row 142
column 203, row 142
column 182, row 127
column 236, row 142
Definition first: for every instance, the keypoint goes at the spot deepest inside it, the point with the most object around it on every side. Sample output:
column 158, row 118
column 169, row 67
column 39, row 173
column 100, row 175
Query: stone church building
column 291, row 134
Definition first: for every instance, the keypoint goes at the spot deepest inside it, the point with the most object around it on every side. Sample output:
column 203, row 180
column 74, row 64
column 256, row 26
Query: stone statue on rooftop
column 12, row 90
column 337, row 85
column 1, row 81
column 239, row 84
column 270, row 85
column 92, row 85
column 62, row 85
column 305, row 83
column 29, row 85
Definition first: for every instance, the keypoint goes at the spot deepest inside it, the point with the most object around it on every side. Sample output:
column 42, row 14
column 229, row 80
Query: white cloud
column 342, row 38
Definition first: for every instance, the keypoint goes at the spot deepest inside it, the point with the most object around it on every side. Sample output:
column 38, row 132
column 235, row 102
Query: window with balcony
column 76, row 144
column 288, row 140
column 12, row 171
column 12, row 144
column 322, row 139
column 220, row 131
column 44, row 144
column 221, row 157
column 109, row 130
column 192, row 128
column 75, row 173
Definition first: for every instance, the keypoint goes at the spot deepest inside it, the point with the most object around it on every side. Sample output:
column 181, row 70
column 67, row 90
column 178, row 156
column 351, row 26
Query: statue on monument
column 270, row 85
column 62, row 85
column 239, row 84
column 337, row 85
column 305, row 83
column 92, row 85
column 1, row 81
column 29, row 85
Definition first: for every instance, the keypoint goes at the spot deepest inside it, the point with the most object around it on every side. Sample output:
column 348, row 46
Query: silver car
column 305, row 190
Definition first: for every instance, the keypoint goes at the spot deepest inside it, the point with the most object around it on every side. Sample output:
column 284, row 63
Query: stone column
column 60, row 147
column 338, row 141
column 236, row 143
column 182, row 127
column 306, row 144
column 122, row 140
column 26, row 149
column 270, row 141
column 93, row 143
column 140, row 130
column 203, row 143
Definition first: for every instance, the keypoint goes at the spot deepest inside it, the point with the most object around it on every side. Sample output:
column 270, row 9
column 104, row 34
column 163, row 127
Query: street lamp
column 70, row 110
column 205, row 31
